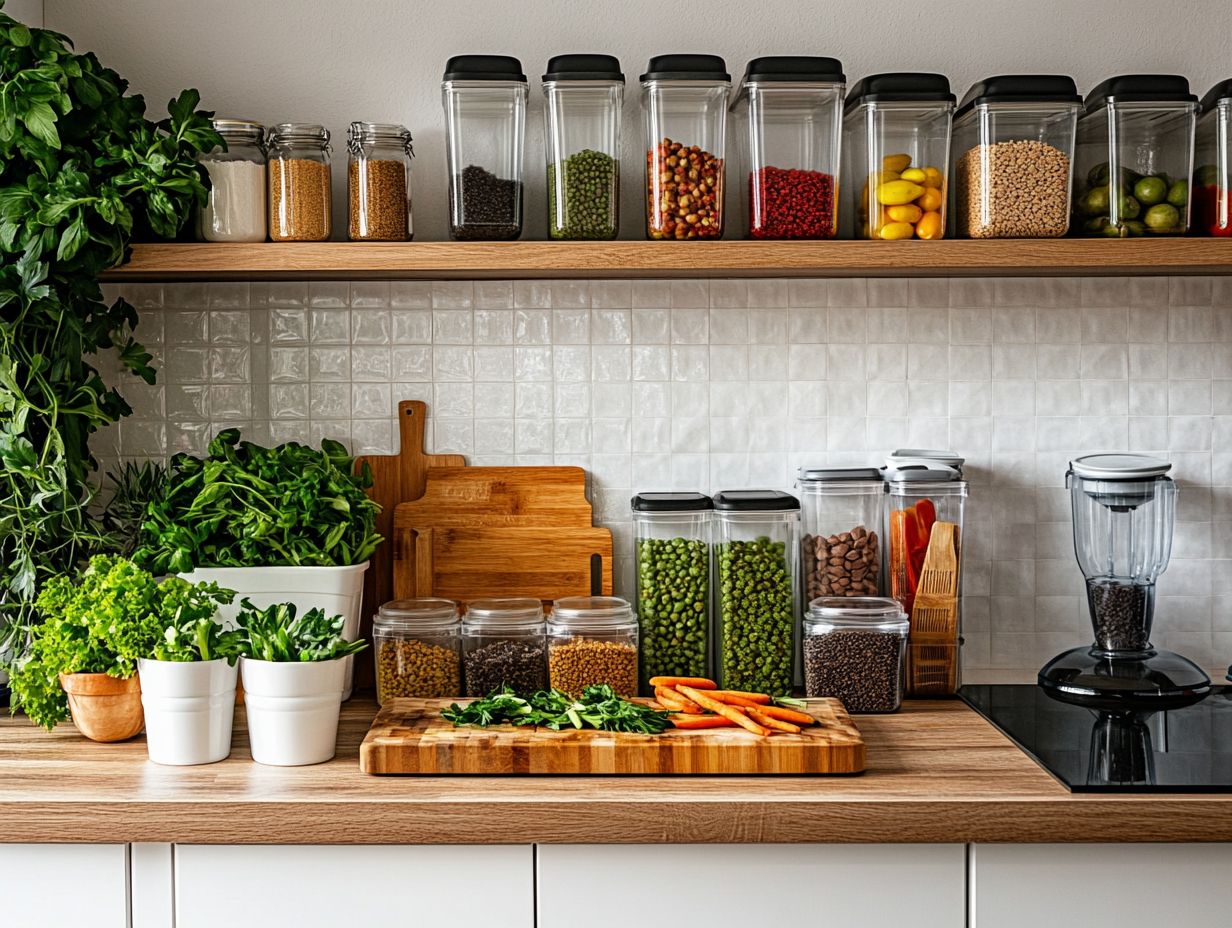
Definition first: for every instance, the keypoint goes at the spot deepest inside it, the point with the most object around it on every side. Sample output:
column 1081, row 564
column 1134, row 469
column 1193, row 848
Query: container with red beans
column 1210, row 211
column 787, row 117
column 684, row 100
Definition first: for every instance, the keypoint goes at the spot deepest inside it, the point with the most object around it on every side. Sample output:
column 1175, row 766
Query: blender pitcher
column 1124, row 509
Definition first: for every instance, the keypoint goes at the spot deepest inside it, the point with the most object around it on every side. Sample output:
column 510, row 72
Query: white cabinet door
column 748, row 886
column 1100, row 885
column 47, row 885
column 336, row 886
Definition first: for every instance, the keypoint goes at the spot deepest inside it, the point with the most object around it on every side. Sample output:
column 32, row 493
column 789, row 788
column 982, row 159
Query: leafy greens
column 275, row 634
column 600, row 707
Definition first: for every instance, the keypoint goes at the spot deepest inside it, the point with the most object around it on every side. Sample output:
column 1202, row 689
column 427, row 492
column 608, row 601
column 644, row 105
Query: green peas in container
column 756, row 589
column 673, row 584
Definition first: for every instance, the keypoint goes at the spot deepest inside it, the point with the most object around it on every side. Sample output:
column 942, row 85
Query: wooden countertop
column 937, row 773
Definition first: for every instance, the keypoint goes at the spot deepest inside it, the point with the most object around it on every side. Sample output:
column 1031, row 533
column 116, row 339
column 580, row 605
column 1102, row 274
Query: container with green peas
column 672, row 533
column 756, row 558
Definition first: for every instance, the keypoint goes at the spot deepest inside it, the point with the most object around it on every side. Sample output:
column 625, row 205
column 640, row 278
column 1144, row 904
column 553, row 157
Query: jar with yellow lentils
column 592, row 640
column 418, row 649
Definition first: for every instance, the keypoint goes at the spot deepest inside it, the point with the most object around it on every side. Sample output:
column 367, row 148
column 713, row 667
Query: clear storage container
column 787, row 118
column 503, row 644
column 235, row 210
column 855, row 650
column 581, row 127
column 896, row 152
column 842, row 513
column 485, row 123
column 1134, row 157
column 592, row 640
column 379, row 182
column 756, row 589
column 684, row 102
column 300, row 206
column 418, row 649
column 672, row 532
column 927, row 494
column 1014, row 148
column 1211, row 212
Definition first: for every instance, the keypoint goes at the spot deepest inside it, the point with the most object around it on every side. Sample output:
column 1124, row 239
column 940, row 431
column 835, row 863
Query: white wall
column 29, row 12
column 381, row 60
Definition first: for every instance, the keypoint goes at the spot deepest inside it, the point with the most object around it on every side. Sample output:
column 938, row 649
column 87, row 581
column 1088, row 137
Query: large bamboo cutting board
column 409, row 736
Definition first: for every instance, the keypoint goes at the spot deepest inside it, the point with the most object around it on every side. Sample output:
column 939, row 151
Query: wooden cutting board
column 455, row 496
column 396, row 478
column 409, row 736
column 480, row 562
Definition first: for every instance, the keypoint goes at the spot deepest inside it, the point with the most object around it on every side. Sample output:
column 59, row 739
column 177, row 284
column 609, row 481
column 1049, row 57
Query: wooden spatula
column 935, row 610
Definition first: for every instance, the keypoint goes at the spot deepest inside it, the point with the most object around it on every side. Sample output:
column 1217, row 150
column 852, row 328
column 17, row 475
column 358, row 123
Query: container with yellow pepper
column 896, row 153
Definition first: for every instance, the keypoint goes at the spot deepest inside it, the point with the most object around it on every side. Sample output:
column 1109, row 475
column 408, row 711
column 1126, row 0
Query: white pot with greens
column 289, row 524
column 294, row 670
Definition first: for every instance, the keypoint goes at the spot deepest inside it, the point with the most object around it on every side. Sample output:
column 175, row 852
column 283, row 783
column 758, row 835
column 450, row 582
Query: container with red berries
column 1211, row 190
column 684, row 99
column 787, row 118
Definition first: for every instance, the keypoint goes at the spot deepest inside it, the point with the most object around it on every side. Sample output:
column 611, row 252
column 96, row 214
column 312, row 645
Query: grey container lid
column 1120, row 466
column 755, row 501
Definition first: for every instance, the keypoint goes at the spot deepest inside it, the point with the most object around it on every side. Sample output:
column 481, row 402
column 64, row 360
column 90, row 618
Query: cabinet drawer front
column 44, row 884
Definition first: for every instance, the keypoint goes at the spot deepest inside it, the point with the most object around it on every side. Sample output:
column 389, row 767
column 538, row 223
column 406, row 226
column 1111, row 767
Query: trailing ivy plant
column 82, row 173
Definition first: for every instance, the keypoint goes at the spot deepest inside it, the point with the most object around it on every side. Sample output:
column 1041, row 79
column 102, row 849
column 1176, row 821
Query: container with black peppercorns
column 484, row 97
column 855, row 649
column 503, row 645
column 417, row 649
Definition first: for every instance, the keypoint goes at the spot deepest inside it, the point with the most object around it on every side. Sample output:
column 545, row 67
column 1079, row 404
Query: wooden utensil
column 932, row 665
column 396, row 478
column 409, row 736
column 466, row 563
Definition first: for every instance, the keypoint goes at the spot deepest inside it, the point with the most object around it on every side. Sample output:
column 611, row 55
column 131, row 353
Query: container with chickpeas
column 418, row 649
column 592, row 640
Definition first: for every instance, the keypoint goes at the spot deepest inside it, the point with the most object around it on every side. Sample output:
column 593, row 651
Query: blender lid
column 1119, row 467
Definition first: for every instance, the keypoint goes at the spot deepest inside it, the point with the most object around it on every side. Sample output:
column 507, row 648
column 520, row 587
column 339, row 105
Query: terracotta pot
column 104, row 708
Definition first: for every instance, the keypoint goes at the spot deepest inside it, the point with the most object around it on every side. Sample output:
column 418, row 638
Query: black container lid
column 686, row 68
column 900, row 86
column 1140, row 88
column 584, row 68
column 755, row 501
column 671, row 502
column 484, row 68
column 1220, row 92
column 1021, row 88
column 799, row 68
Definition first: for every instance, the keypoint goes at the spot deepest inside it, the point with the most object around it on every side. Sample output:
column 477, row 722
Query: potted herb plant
column 293, row 670
column 288, row 524
column 98, row 625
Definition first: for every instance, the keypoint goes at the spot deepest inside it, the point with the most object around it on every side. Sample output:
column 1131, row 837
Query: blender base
column 1152, row 680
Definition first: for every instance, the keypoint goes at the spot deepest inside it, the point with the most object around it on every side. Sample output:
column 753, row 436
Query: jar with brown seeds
column 300, row 208
column 592, row 640
column 417, row 647
column 378, row 182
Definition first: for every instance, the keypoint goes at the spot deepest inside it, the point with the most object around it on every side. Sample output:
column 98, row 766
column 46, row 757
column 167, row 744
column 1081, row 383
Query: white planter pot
column 189, row 708
column 293, row 710
column 337, row 590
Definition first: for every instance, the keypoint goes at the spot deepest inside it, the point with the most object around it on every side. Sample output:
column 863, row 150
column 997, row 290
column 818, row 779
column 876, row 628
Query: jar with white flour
column 236, row 209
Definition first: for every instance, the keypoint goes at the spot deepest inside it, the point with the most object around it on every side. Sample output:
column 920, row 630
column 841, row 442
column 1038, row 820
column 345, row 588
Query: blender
column 1124, row 509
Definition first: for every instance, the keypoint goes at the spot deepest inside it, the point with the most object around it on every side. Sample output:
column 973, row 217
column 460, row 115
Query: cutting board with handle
column 409, row 736
column 397, row 478
column 499, row 496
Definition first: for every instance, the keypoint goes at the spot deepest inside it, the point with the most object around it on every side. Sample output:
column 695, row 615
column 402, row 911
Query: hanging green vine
column 82, row 172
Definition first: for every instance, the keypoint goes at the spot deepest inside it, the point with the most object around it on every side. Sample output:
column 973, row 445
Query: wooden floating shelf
column 469, row 260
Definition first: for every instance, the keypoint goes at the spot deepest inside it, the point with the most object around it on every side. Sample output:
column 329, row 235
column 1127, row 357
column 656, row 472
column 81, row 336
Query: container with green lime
column 756, row 557
column 672, row 538
column 1134, row 157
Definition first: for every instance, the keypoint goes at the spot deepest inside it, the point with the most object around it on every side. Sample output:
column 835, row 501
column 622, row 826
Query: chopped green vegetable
column 600, row 708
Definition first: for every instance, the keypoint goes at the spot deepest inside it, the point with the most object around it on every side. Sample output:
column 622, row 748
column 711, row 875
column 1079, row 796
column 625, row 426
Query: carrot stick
column 787, row 715
column 675, row 701
column 733, row 700
column 698, row 683
column 762, row 719
column 728, row 712
column 758, row 699
column 701, row 721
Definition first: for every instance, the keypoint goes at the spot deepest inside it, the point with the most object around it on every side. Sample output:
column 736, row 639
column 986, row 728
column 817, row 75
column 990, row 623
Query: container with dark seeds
column 855, row 650
column 1121, row 613
column 503, row 645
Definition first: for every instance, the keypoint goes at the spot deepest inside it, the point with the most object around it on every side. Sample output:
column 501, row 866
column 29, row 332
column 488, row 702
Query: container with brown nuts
column 592, row 639
column 854, row 650
column 843, row 509
column 299, row 183
column 418, row 649
column 378, row 182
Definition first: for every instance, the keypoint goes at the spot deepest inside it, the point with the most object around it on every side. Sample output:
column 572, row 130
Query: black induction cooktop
column 1185, row 750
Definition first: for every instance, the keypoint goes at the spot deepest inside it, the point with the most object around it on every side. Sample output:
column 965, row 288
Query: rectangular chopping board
column 408, row 736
